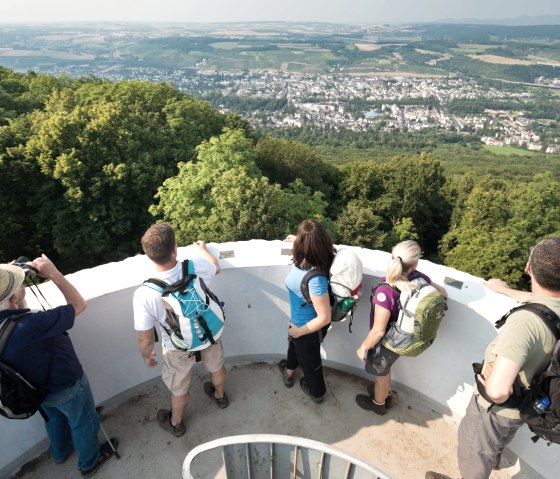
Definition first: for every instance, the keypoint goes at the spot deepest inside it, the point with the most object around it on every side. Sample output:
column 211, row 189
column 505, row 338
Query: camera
column 22, row 263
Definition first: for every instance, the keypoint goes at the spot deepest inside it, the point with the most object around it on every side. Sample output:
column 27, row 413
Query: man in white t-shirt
column 160, row 246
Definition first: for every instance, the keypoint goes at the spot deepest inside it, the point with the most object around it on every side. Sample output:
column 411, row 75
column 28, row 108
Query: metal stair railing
column 272, row 456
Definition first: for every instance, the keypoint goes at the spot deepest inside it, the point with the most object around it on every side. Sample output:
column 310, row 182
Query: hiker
column 385, row 310
column 160, row 246
column 521, row 350
column 40, row 349
column 312, row 248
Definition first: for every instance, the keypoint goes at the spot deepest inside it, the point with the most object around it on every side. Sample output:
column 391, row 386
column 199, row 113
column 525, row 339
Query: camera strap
column 35, row 294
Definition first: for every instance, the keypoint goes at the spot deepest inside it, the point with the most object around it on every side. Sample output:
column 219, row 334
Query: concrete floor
column 411, row 439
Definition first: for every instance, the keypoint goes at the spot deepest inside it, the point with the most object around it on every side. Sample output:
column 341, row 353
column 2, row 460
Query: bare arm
column 48, row 270
column 207, row 255
column 498, row 378
column 441, row 289
column 322, row 306
column 381, row 319
column 499, row 286
column 146, row 341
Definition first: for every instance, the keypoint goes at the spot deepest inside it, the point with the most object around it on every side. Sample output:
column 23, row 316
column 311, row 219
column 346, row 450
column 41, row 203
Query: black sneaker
column 388, row 400
column 366, row 402
column 164, row 421
column 288, row 380
column 209, row 389
column 305, row 389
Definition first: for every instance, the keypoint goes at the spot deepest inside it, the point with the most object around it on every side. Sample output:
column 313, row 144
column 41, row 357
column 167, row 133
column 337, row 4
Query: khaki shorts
column 177, row 366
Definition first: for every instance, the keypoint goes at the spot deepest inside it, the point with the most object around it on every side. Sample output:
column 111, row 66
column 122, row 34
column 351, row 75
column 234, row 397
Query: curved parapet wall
column 252, row 286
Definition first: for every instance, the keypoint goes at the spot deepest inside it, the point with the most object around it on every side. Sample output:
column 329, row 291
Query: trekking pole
column 115, row 453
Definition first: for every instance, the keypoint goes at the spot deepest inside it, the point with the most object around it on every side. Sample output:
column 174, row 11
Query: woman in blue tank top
column 312, row 249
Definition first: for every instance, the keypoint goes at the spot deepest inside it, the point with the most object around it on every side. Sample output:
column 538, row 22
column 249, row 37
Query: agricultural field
column 505, row 53
column 508, row 150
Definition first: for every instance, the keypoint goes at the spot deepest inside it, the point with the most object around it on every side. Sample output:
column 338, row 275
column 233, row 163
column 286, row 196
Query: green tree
column 358, row 225
column 223, row 196
column 94, row 158
column 283, row 161
column 406, row 193
column 500, row 222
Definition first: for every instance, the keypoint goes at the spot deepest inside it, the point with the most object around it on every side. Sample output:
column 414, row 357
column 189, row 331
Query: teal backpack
column 194, row 315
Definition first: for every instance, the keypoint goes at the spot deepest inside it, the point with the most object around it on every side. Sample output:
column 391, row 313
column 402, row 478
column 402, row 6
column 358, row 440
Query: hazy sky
column 355, row 11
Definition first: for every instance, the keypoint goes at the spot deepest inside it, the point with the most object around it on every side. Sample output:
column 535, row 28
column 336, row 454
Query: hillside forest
column 87, row 165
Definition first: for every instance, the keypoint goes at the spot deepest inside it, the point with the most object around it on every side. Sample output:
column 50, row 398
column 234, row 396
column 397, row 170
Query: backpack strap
column 549, row 317
column 164, row 288
column 304, row 287
column 156, row 284
column 374, row 290
column 7, row 328
column 188, row 267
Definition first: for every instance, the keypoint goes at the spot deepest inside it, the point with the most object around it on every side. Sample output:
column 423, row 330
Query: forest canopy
column 86, row 165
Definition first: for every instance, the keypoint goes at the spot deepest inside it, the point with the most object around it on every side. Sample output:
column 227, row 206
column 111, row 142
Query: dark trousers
column 482, row 435
column 305, row 351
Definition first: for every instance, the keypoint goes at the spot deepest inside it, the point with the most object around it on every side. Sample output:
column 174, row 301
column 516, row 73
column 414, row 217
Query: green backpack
column 420, row 313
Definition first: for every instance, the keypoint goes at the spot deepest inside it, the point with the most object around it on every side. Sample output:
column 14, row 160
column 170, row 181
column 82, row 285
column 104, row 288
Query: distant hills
column 524, row 20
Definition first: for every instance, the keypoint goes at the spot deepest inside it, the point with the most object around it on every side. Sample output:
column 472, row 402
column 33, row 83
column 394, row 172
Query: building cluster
column 515, row 130
column 358, row 102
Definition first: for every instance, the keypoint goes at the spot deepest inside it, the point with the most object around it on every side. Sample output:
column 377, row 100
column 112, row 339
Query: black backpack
column 545, row 384
column 18, row 398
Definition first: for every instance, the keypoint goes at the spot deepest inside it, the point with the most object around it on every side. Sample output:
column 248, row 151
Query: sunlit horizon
column 224, row 11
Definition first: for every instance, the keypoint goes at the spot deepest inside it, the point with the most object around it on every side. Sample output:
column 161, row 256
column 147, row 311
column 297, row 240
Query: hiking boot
column 105, row 453
column 366, row 402
column 288, row 380
column 209, row 389
column 305, row 389
column 164, row 421
column 388, row 400
column 435, row 475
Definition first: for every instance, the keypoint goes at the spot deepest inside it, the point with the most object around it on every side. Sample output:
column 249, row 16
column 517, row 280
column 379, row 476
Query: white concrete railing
column 252, row 286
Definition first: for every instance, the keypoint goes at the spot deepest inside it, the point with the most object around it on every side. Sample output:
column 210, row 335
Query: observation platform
column 418, row 434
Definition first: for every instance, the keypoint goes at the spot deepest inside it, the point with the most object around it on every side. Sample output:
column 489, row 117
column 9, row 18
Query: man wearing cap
column 40, row 349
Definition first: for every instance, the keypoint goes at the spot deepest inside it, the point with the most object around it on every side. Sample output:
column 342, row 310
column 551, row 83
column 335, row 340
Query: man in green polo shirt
column 523, row 349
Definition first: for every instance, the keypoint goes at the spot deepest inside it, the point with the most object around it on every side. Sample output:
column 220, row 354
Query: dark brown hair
column 159, row 243
column 313, row 246
column 545, row 263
